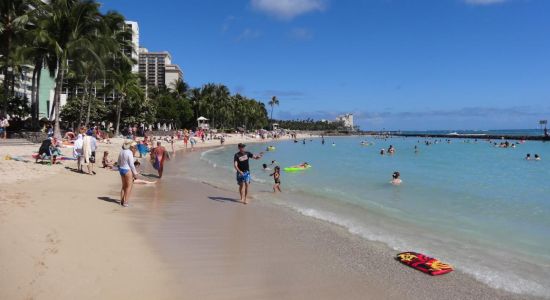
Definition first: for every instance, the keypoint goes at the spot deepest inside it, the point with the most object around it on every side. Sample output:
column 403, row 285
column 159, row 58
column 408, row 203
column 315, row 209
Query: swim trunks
column 244, row 178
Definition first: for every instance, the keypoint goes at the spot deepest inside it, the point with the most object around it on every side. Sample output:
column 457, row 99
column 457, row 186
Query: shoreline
column 226, row 250
column 372, row 263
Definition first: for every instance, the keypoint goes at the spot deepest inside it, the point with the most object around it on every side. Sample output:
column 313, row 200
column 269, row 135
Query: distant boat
column 468, row 134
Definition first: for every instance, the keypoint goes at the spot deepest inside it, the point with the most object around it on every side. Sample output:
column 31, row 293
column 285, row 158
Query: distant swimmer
column 323, row 141
column 537, row 157
column 415, row 149
column 333, row 144
column 528, row 156
column 265, row 167
column 277, row 178
column 395, row 178
column 391, row 150
column 382, row 151
column 304, row 141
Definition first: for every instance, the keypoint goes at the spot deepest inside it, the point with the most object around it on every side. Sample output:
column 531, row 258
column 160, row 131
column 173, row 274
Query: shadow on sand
column 109, row 199
column 224, row 199
column 150, row 175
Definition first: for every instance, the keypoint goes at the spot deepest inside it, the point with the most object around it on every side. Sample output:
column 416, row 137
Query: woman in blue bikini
column 127, row 170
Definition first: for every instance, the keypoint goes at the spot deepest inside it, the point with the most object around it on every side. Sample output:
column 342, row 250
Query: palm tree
column 14, row 20
column 73, row 26
column 180, row 88
column 126, row 84
column 38, row 52
column 273, row 102
column 195, row 98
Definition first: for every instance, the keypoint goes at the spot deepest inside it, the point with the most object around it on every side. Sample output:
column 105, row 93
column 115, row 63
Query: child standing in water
column 277, row 177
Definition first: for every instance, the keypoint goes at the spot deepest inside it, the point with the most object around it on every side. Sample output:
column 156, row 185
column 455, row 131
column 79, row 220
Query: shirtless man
column 159, row 155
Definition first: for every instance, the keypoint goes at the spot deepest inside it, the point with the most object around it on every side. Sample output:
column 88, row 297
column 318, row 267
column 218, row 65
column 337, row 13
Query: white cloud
column 226, row 25
column 249, row 34
column 288, row 9
column 484, row 2
column 302, row 34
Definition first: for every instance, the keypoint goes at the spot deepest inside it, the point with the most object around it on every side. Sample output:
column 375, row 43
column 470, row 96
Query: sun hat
column 128, row 144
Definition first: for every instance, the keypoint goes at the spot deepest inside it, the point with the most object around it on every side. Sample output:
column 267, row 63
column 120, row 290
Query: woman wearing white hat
column 127, row 170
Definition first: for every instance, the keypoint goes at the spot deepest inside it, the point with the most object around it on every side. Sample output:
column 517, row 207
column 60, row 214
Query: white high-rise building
column 347, row 119
column 133, row 26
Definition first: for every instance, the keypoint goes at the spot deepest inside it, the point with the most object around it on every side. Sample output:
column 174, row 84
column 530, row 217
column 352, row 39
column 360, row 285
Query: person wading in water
column 240, row 162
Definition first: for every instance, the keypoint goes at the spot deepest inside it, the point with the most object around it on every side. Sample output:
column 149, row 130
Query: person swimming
column 391, row 150
column 537, row 157
column 265, row 167
column 395, row 178
column 528, row 156
column 382, row 151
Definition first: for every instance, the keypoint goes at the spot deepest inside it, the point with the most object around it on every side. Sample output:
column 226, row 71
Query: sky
column 394, row 64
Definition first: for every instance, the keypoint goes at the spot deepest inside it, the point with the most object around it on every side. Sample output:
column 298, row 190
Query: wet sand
column 221, row 249
column 66, row 237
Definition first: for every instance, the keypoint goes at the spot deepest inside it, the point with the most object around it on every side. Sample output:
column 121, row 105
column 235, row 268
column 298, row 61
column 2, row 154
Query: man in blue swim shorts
column 240, row 161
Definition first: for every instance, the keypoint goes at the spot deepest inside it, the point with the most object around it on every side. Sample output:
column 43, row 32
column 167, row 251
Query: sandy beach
column 64, row 236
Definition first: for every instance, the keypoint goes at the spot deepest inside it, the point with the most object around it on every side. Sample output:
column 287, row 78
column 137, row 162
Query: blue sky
column 396, row 64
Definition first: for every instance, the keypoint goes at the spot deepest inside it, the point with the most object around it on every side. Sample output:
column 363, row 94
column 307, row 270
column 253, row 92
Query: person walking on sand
column 127, row 171
column 159, row 155
column 4, row 124
column 77, row 152
column 87, row 153
column 241, row 164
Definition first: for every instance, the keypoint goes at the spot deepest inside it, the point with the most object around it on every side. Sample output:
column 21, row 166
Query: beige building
column 172, row 73
column 157, row 69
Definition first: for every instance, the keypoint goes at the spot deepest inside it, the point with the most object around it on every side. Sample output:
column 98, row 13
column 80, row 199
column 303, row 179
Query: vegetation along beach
column 266, row 149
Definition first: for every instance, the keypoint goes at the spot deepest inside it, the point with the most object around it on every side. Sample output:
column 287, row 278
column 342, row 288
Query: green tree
column 127, row 85
column 273, row 102
column 15, row 16
column 73, row 26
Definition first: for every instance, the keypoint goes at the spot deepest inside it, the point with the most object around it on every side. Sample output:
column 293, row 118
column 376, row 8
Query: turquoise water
column 484, row 209
column 510, row 132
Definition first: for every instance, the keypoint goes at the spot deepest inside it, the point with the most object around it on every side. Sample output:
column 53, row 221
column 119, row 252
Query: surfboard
column 424, row 263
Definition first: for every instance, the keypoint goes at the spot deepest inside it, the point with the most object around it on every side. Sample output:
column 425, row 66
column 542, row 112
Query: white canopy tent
column 202, row 123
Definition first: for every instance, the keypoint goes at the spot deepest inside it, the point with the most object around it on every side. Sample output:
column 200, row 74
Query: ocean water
column 483, row 209
column 507, row 132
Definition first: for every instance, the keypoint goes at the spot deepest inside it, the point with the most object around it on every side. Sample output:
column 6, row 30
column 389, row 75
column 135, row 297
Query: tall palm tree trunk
column 57, row 99
column 119, row 109
column 37, row 98
column 89, row 109
column 6, row 90
column 33, row 98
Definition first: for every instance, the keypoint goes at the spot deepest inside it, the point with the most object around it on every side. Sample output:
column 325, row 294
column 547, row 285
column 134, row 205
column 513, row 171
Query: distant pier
column 476, row 136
